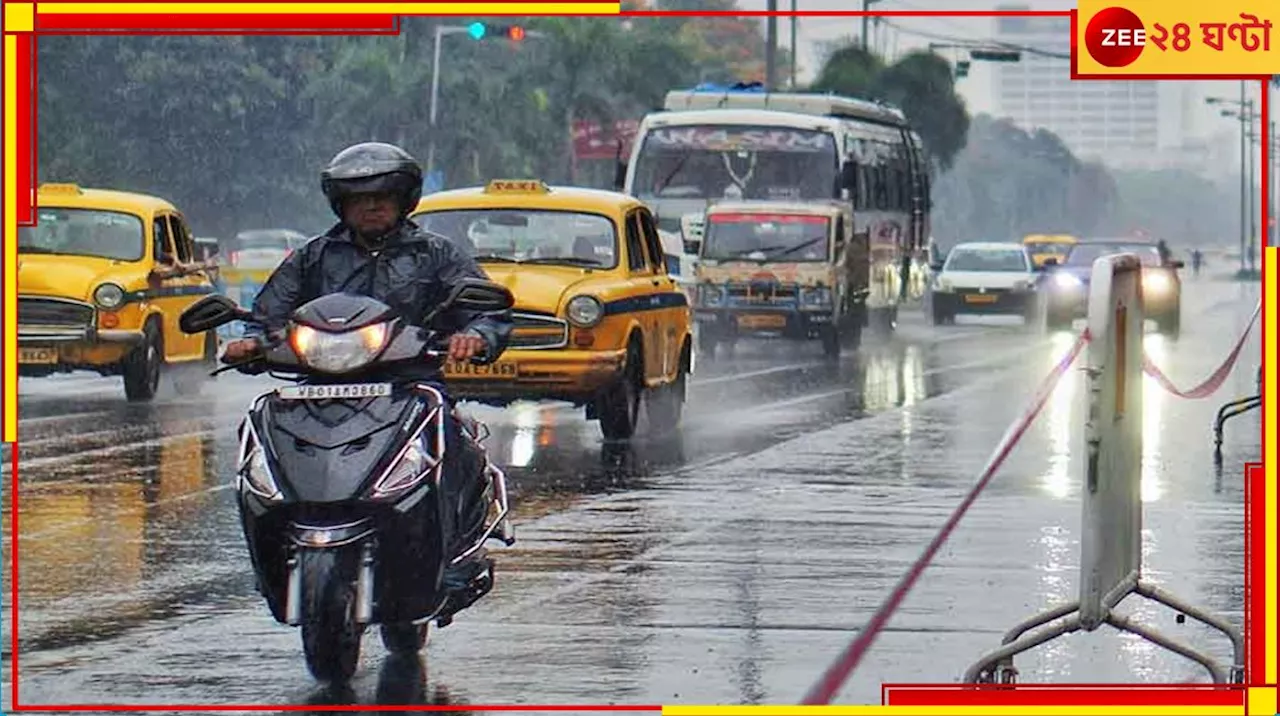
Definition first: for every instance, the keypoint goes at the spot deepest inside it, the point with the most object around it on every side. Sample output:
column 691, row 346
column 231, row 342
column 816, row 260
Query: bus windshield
column 734, row 161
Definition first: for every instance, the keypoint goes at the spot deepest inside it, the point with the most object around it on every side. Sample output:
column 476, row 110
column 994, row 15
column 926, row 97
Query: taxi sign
column 516, row 186
column 60, row 189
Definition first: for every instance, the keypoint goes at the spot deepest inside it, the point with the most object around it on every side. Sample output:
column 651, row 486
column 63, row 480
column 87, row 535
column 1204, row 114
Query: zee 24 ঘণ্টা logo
column 1116, row 36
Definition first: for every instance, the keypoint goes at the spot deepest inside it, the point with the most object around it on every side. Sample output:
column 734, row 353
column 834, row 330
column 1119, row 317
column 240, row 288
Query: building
column 1118, row 122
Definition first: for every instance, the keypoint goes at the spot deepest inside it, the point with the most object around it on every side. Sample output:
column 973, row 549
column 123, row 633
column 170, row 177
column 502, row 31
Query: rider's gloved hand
column 240, row 349
column 465, row 346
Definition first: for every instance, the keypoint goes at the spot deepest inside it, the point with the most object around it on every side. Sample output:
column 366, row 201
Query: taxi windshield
column 528, row 235
column 987, row 260
column 1086, row 254
column 769, row 237
column 83, row 232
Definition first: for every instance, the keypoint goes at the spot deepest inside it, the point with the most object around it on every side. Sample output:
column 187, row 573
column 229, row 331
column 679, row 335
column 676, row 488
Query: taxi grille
column 53, row 312
column 535, row 331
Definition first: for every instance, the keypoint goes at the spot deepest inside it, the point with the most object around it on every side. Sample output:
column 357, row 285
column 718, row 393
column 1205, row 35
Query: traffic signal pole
column 479, row 31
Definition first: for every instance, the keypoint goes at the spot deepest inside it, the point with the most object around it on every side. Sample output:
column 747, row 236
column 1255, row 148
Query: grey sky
column 1200, row 121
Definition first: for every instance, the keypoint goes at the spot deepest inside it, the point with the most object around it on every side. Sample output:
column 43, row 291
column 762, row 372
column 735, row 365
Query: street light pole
column 771, row 48
column 441, row 31
column 793, row 44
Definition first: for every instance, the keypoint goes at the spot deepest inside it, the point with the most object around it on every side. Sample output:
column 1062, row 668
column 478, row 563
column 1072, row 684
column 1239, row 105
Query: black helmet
column 370, row 168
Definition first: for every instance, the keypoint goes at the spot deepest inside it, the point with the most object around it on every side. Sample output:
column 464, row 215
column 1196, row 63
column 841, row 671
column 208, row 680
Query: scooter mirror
column 209, row 313
column 480, row 295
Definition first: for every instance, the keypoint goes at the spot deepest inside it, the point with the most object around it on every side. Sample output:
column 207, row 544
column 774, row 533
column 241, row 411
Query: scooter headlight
column 254, row 471
column 414, row 463
column 339, row 352
column 1156, row 283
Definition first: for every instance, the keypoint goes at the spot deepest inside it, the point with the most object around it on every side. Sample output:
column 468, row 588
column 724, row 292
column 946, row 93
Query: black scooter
column 339, row 477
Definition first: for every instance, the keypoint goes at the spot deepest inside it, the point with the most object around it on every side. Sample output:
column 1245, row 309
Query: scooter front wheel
column 330, row 634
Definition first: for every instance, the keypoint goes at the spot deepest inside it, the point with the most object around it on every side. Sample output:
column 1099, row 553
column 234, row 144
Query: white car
column 263, row 249
column 984, row 278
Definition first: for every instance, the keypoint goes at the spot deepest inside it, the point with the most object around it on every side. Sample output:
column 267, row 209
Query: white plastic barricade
column 1111, row 510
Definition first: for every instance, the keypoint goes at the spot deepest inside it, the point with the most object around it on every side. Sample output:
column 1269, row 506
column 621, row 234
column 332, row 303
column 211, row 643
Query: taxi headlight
column 584, row 311
column 339, row 352
column 108, row 296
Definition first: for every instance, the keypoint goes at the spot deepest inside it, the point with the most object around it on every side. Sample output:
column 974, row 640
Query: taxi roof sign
column 516, row 186
column 60, row 189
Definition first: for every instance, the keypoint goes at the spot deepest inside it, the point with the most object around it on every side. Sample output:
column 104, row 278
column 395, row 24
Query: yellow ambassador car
column 102, row 279
column 598, row 321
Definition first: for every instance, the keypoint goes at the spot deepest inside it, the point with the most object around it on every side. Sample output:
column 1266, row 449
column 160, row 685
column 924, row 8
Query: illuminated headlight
column 339, row 352
column 1156, row 283
column 709, row 295
column 820, row 296
column 415, row 462
column 255, row 472
column 108, row 296
column 1066, row 280
column 584, row 311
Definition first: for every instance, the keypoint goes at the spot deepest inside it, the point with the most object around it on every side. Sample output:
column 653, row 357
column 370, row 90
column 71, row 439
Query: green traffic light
column 477, row 30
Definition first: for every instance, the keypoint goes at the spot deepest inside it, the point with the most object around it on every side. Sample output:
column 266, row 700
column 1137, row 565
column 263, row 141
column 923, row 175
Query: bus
column 713, row 144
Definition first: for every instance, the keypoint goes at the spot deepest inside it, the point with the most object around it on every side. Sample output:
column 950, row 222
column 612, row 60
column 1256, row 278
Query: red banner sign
column 593, row 141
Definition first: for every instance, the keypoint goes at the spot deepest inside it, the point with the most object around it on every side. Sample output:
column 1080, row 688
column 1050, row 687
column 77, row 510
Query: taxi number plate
column 43, row 356
column 979, row 298
column 335, row 392
column 497, row 370
column 762, row 321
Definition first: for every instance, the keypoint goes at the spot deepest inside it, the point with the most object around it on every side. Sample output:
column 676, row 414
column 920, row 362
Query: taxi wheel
column 619, row 407
column 666, row 404
column 142, row 366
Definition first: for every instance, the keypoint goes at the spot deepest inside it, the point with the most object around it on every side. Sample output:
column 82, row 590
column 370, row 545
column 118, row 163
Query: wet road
column 727, row 564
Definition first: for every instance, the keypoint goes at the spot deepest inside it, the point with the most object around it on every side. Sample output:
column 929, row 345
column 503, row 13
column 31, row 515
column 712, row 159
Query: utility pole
column 794, row 51
column 866, row 22
column 771, row 48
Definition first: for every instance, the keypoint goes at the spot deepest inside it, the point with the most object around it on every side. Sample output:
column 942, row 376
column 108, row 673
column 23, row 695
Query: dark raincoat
column 413, row 273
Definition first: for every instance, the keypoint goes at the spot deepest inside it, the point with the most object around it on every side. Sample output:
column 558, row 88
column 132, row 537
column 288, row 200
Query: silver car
column 262, row 249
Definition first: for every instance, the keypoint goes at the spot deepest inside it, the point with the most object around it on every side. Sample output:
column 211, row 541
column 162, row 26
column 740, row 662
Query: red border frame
column 896, row 694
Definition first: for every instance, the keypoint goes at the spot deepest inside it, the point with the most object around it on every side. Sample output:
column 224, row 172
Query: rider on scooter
column 376, row 251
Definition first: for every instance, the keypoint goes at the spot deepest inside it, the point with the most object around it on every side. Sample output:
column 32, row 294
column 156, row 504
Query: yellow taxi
column 598, row 320
column 1043, row 247
column 102, row 279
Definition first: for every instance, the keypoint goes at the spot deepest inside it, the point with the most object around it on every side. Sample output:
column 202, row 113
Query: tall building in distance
column 1117, row 122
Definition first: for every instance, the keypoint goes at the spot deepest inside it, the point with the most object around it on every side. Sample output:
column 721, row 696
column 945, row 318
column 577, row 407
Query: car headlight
column 414, row 463
column 108, row 296
column 820, row 296
column 1066, row 280
column 709, row 295
column 1156, row 283
column 254, row 470
column 339, row 352
column 584, row 311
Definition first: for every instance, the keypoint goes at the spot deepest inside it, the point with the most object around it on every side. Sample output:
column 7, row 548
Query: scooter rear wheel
column 330, row 634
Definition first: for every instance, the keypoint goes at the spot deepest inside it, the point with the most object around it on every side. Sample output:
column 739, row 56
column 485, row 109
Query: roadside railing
column 1111, row 505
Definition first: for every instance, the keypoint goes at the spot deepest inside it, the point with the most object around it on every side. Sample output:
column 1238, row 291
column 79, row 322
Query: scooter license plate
column 334, row 392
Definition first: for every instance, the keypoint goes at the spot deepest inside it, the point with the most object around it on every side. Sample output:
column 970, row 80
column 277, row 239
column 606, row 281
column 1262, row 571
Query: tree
column 921, row 84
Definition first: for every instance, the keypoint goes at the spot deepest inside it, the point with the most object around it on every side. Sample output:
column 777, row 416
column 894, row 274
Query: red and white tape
column 1215, row 379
